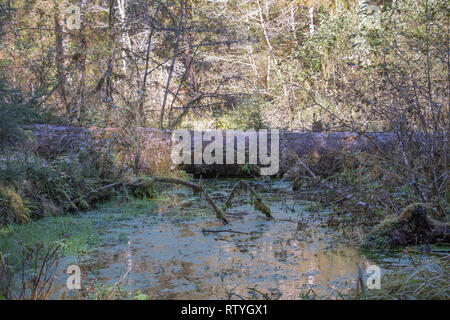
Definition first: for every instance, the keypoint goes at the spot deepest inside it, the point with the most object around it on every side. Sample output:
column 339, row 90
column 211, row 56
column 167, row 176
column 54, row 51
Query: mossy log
column 258, row 203
column 413, row 227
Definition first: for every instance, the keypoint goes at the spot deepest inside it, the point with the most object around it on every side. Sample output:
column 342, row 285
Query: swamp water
column 165, row 254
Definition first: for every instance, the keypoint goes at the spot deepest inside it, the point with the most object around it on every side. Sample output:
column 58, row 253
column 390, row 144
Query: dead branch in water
column 258, row 203
column 220, row 214
column 228, row 230
column 195, row 187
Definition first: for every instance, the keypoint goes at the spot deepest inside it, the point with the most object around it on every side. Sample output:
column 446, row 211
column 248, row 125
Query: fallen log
column 224, row 231
column 51, row 140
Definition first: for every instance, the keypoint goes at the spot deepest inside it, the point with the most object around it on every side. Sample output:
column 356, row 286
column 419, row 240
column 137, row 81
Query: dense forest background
column 321, row 65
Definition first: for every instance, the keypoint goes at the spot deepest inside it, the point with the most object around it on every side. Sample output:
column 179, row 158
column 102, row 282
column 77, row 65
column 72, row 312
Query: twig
column 228, row 230
column 116, row 285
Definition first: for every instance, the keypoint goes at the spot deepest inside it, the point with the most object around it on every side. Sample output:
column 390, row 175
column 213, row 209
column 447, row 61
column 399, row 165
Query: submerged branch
column 258, row 203
column 220, row 214
column 228, row 230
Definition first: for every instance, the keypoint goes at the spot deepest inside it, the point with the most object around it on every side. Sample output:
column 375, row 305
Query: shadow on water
column 167, row 256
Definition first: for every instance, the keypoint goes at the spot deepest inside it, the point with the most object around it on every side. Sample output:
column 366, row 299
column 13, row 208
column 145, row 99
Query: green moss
column 379, row 236
column 314, row 207
column 130, row 209
column 12, row 208
column 384, row 226
column 82, row 204
column 413, row 226
column 76, row 235
column 123, row 237
column 262, row 207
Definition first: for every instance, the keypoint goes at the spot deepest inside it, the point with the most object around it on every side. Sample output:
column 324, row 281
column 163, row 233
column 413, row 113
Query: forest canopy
column 227, row 64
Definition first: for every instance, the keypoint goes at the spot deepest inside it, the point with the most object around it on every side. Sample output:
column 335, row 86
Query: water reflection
column 167, row 256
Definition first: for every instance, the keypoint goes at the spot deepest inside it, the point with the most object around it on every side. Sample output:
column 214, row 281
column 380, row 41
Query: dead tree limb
column 227, row 231
column 258, row 203
column 220, row 214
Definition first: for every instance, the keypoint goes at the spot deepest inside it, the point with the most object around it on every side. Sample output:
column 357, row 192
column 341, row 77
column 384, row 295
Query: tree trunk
column 59, row 34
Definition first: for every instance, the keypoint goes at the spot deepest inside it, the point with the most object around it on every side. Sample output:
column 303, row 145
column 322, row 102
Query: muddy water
column 165, row 253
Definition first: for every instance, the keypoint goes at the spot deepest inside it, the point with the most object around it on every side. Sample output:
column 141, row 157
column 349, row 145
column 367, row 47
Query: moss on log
column 413, row 227
column 258, row 203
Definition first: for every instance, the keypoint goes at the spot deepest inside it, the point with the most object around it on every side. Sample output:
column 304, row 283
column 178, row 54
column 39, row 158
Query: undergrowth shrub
column 15, row 109
column 36, row 269
column 71, row 173
column 140, row 151
column 362, row 184
column 31, row 186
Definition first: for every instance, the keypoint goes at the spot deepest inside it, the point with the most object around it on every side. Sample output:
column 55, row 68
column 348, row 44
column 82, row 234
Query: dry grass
column 426, row 280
